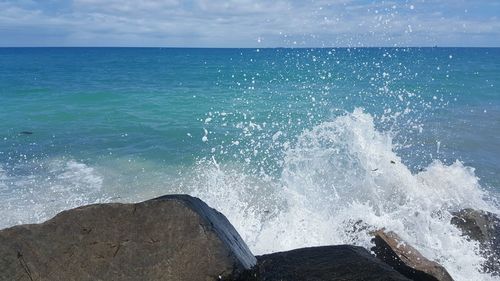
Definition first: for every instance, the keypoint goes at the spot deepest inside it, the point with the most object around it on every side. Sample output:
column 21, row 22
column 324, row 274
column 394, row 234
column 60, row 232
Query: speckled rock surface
column 174, row 237
column 390, row 248
column 483, row 227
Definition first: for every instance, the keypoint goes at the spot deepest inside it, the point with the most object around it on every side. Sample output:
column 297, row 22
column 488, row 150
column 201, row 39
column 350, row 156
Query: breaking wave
column 33, row 192
column 341, row 176
column 336, row 180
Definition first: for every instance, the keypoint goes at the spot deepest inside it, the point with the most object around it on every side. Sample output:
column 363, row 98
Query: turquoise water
column 249, row 130
column 90, row 103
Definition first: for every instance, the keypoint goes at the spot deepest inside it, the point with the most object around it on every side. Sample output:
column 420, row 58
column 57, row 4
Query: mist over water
column 297, row 147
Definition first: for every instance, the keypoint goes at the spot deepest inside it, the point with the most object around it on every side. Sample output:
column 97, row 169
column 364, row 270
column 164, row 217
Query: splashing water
column 342, row 174
column 46, row 188
column 272, row 139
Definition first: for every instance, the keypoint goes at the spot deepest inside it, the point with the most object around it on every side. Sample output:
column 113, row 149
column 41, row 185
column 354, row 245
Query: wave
column 342, row 175
column 335, row 178
column 33, row 192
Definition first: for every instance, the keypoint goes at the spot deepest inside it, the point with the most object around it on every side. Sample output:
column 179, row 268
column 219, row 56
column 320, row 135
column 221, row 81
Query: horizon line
column 299, row 47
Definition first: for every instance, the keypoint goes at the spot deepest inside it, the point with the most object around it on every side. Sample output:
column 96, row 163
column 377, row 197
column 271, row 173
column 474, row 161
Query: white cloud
column 125, row 6
column 240, row 22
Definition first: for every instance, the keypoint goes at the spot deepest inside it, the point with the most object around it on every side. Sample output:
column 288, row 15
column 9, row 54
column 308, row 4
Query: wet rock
column 175, row 237
column 390, row 248
column 483, row 227
column 327, row 263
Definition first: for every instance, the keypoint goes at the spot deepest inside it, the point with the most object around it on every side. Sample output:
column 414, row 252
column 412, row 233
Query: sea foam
column 343, row 175
column 337, row 180
column 33, row 192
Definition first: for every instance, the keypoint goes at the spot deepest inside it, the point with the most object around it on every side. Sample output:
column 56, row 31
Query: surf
column 338, row 176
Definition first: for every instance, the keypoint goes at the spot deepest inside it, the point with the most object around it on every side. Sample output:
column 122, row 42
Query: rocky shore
column 179, row 237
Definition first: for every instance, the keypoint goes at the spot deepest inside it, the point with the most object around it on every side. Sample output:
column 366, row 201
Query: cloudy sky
column 249, row 23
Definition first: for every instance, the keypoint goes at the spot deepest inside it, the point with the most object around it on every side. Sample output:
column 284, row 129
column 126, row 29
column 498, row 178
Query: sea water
column 297, row 147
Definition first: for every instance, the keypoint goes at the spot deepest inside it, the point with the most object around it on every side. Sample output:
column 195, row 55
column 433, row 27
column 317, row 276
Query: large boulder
column 390, row 248
column 174, row 237
column 327, row 263
column 483, row 227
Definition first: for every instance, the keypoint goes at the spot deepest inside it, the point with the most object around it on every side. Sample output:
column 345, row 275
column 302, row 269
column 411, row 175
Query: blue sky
column 249, row 23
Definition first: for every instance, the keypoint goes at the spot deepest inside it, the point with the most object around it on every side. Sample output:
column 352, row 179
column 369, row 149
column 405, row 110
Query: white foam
column 337, row 174
column 334, row 175
column 46, row 188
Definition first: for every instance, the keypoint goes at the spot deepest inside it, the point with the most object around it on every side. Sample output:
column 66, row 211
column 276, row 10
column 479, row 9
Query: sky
column 250, row 23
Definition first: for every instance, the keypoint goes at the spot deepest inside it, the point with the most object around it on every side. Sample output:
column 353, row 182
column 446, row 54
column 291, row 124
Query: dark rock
column 326, row 263
column 358, row 227
column 390, row 248
column 175, row 237
column 483, row 227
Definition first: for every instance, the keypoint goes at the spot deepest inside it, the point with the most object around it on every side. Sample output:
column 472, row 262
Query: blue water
column 90, row 103
column 126, row 124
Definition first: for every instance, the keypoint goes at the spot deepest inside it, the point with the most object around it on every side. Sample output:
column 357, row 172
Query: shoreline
column 117, row 241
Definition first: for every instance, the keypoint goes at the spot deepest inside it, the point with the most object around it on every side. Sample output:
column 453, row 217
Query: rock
column 174, row 237
column 483, row 227
column 390, row 248
column 479, row 225
column 327, row 263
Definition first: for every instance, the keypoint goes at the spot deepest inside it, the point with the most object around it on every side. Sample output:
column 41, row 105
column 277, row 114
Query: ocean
column 294, row 146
